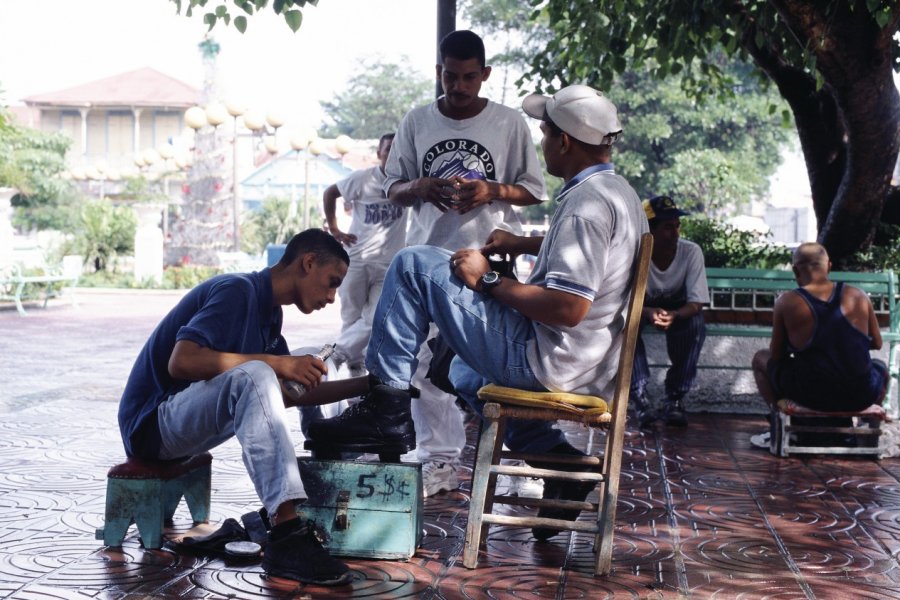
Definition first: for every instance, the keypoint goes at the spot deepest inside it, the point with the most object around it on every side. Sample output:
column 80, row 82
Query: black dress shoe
column 383, row 418
column 556, row 489
column 674, row 414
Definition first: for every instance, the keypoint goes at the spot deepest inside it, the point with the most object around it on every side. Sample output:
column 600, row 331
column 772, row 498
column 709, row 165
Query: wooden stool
column 867, row 427
column 147, row 493
column 503, row 403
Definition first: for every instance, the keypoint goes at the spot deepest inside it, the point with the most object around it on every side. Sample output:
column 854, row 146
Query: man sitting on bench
column 673, row 304
column 821, row 336
column 562, row 330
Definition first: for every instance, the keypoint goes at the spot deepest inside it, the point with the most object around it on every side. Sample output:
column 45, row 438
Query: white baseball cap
column 579, row 110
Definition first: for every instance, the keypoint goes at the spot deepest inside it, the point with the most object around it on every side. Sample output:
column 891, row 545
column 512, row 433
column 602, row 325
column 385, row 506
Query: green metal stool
column 147, row 493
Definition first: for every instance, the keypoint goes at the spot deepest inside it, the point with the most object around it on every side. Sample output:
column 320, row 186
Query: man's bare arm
column 551, row 307
column 194, row 362
column 874, row 327
column 475, row 192
column 688, row 310
column 503, row 242
column 329, row 205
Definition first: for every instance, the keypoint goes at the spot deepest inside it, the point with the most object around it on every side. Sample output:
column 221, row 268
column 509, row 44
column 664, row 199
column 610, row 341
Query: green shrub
column 882, row 255
column 110, row 279
column 187, row 276
column 107, row 231
column 275, row 222
column 726, row 246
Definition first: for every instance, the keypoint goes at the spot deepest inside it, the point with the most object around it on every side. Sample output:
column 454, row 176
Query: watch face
column 490, row 277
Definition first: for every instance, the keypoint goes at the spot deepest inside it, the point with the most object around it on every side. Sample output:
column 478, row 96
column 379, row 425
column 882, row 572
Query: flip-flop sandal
column 256, row 523
column 215, row 543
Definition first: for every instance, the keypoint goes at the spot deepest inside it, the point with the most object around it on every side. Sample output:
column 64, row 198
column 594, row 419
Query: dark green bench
column 741, row 303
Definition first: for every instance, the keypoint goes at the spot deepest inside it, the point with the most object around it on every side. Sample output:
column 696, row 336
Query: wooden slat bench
column 742, row 300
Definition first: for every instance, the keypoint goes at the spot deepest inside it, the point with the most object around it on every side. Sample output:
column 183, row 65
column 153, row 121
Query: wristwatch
column 489, row 281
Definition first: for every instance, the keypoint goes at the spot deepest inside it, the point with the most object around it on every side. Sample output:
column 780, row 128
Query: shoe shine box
column 370, row 509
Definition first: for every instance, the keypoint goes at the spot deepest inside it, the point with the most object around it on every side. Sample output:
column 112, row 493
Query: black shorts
column 790, row 380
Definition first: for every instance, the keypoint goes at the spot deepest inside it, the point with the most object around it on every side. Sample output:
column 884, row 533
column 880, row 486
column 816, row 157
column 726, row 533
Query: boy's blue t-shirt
column 227, row 313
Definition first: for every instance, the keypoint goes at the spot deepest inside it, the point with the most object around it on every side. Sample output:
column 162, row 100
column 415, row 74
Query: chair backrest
column 629, row 342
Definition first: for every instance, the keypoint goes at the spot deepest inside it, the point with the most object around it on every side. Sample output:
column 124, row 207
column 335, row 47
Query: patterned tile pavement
column 701, row 515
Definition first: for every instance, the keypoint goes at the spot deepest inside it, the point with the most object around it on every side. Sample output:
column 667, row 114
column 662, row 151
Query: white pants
column 359, row 294
column 440, row 433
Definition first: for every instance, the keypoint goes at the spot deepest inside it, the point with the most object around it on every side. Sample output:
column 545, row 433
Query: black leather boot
column 383, row 418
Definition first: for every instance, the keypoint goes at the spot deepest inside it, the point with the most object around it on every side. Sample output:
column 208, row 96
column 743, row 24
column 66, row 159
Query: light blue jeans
column 489, row 338
column 244, row 402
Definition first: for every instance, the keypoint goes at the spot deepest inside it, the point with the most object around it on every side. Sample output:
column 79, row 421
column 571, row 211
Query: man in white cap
column 561, row 330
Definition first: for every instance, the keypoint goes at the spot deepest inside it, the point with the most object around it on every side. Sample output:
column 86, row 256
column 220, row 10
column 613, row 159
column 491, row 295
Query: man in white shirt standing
column 460, row 163
column 676, row 293
column 377, row 232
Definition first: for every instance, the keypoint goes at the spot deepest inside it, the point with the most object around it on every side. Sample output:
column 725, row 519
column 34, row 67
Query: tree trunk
column 850, row 176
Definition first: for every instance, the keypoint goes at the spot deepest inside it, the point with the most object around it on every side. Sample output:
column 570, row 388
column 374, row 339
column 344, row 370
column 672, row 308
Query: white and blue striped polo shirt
column 589, row 251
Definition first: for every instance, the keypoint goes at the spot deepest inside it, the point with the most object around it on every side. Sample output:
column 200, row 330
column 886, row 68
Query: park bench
column 742, row 300
column 39, row 283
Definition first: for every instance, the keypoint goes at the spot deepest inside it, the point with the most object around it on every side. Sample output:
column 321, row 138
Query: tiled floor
column 701, row 513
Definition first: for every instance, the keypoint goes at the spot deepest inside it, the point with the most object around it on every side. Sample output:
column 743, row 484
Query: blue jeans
column 244, row 402
column 488, row 337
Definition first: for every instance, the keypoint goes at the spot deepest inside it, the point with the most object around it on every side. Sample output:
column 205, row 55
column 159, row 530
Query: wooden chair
column 504, row 403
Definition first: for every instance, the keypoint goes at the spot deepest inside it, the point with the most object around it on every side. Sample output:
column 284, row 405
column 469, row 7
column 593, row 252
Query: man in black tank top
column 821, row 336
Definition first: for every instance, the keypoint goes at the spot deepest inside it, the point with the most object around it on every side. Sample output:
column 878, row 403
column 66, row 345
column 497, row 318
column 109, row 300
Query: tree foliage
column 712, row 154
column 104, row 232
column 236, row 11
column 276, row 222
column 31, row 161
column 376, row 98
column 831, row 61
column 727, row 246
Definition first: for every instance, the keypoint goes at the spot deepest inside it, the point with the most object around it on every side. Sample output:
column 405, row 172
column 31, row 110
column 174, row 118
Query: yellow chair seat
column 508, row 395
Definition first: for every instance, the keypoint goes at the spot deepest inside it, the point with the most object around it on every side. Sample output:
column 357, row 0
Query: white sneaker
column 438, row 477
column 523, row 487
column 761, row 440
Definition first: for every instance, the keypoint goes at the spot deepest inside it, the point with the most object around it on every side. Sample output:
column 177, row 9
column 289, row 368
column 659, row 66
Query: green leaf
column 278, row 6
column 210, row 19
column 240, row 23
column 294, row 19
column 882, row 17
column 221, row 11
